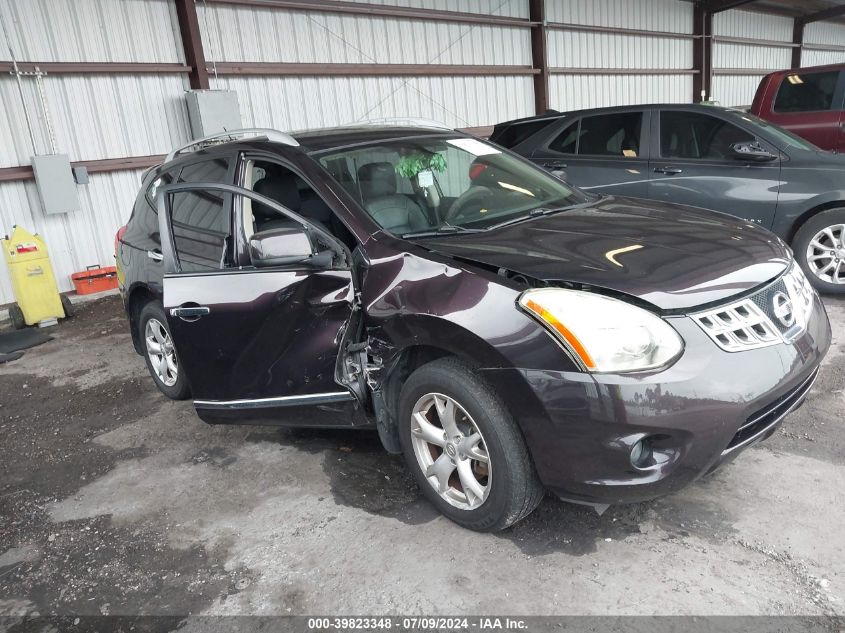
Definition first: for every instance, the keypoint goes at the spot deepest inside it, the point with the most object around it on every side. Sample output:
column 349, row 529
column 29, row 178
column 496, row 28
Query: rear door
column 810, row 105
column 259, row 345
column 692, row 164
column 602, row 152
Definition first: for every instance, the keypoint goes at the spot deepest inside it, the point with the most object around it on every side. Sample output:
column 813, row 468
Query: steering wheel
column 473, row 194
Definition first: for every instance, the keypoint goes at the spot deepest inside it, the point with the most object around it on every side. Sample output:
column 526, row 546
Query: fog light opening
column 641, row 454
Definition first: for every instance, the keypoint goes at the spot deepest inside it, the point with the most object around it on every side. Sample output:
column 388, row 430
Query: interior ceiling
column 790, row 8
column 798, row 7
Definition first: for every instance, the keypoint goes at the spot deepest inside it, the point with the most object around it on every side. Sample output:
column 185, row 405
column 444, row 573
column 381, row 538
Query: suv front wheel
column 819, row 247
column 159, row 353
column 464, row 448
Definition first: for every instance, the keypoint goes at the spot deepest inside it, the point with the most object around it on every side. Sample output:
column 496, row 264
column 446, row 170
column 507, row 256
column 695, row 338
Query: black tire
column 515, row 490
column 801, row 242
column 68, row 307
column 179, row 390
column 16, row 316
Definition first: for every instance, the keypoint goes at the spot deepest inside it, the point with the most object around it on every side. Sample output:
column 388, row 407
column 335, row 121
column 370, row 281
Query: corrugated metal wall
column 573, row 49
column 116, row 116
column 823, row 33
column 248, row 33
column 738, row 89
column 93, row 116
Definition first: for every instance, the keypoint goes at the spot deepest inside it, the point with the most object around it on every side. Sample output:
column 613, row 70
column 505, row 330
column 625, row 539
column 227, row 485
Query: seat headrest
column 279, row 186
column 377, row 180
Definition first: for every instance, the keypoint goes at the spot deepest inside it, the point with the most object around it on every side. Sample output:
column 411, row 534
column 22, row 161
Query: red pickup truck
column 809, row 102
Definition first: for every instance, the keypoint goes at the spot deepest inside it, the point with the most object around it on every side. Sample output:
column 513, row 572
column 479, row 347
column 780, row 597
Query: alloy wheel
column 826, row 254
column 451, row 451
column 161, row 353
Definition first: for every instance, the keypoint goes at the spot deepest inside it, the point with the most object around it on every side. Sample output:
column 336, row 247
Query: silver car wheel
column 451, row 451
column 826, row 254
column 161, row 353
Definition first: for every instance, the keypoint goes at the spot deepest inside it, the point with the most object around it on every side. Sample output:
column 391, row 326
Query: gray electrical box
column 213, row 111
column 54, row 178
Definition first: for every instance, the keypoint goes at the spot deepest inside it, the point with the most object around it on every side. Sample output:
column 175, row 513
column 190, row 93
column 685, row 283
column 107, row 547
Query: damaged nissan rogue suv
column 507, row 332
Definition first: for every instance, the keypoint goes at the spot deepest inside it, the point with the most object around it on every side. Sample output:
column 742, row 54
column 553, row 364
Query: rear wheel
column 465, row 449
column 67, row 306
column 16, row 316
column 819, row 247
column 160, row 354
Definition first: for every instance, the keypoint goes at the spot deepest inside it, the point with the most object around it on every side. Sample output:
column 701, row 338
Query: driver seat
column 392, row 211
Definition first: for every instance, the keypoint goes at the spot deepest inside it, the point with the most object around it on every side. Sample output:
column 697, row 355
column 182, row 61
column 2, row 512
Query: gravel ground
column 115, row 500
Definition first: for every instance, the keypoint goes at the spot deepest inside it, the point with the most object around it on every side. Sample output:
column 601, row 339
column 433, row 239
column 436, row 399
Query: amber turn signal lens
column 560, row 328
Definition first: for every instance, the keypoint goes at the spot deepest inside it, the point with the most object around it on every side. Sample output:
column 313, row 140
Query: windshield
column 421, row 185
column 781, row 135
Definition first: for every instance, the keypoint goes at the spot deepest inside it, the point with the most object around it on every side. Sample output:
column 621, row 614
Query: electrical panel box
column 213, row 111
column 54, row 178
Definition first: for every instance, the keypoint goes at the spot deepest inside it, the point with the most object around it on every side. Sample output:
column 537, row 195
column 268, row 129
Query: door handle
column 668, row 170
column 191, row 313
column 155, row 255
column 554, row 164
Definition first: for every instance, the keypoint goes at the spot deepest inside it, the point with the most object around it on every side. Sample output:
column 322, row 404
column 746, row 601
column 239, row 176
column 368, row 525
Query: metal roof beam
column 717, row 6
column 827, row 14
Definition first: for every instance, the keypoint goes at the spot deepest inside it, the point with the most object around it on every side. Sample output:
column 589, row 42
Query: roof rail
column 230, row 135
column 404, row 122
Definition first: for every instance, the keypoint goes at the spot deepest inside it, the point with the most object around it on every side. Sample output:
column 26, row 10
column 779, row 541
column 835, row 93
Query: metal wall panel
column 94, row 116
column 257, row 34
column 823, row 33
column 510, row 8
column 733, row 90
column 291, row 103
column 576, row 49
column 75, row 240
column 91, row 30
column 655, row 15
column 572, row 92
column 738, row 90
column 821, row 58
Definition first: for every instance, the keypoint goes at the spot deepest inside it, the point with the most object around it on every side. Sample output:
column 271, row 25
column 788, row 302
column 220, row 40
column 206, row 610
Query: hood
column 671, row 256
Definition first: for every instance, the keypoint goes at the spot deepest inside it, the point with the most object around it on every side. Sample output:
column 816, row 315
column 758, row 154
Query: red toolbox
column 95, row 279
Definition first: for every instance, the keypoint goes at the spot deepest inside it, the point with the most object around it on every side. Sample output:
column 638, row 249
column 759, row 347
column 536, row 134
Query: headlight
column 606, row 335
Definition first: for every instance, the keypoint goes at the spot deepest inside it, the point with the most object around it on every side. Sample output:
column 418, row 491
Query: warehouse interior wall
column 461, row 72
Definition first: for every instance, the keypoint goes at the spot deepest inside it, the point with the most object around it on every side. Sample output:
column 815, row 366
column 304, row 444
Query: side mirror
column 751, row 151
column 278, row 247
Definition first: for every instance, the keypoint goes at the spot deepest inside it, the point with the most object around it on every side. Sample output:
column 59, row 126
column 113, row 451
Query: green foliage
column 410, row 166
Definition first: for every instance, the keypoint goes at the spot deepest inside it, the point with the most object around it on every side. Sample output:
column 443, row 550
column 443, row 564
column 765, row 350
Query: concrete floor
column 115, row 500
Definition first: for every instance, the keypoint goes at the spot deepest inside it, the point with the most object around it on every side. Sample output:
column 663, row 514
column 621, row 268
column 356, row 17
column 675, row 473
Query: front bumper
column 697, row 414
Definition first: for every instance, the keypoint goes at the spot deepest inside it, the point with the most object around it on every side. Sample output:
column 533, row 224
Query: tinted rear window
column 806, row 92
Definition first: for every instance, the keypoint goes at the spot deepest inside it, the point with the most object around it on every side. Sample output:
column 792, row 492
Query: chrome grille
column 752, row 323
column 739, row 326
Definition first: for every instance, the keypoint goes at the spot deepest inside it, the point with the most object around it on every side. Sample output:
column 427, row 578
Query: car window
column 567, row 141
column 615, row 134
column 201, row 220
column 515, row 133
column 699, row 136
column 806, row 92
column 414, row 185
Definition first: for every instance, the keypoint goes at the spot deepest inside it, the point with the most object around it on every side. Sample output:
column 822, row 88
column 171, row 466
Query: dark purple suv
column 506, row 331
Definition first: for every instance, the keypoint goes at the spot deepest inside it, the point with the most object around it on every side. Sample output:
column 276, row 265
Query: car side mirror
column 279, row 247
column 751, row 151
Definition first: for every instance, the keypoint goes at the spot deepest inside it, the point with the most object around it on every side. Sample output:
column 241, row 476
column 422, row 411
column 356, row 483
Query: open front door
column 259, row 344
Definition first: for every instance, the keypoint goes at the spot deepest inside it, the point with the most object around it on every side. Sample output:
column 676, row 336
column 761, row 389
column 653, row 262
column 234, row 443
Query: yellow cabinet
column 35, row 287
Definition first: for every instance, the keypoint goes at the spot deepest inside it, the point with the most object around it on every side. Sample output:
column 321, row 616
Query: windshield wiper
column 534, row 213
column 446, row 229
